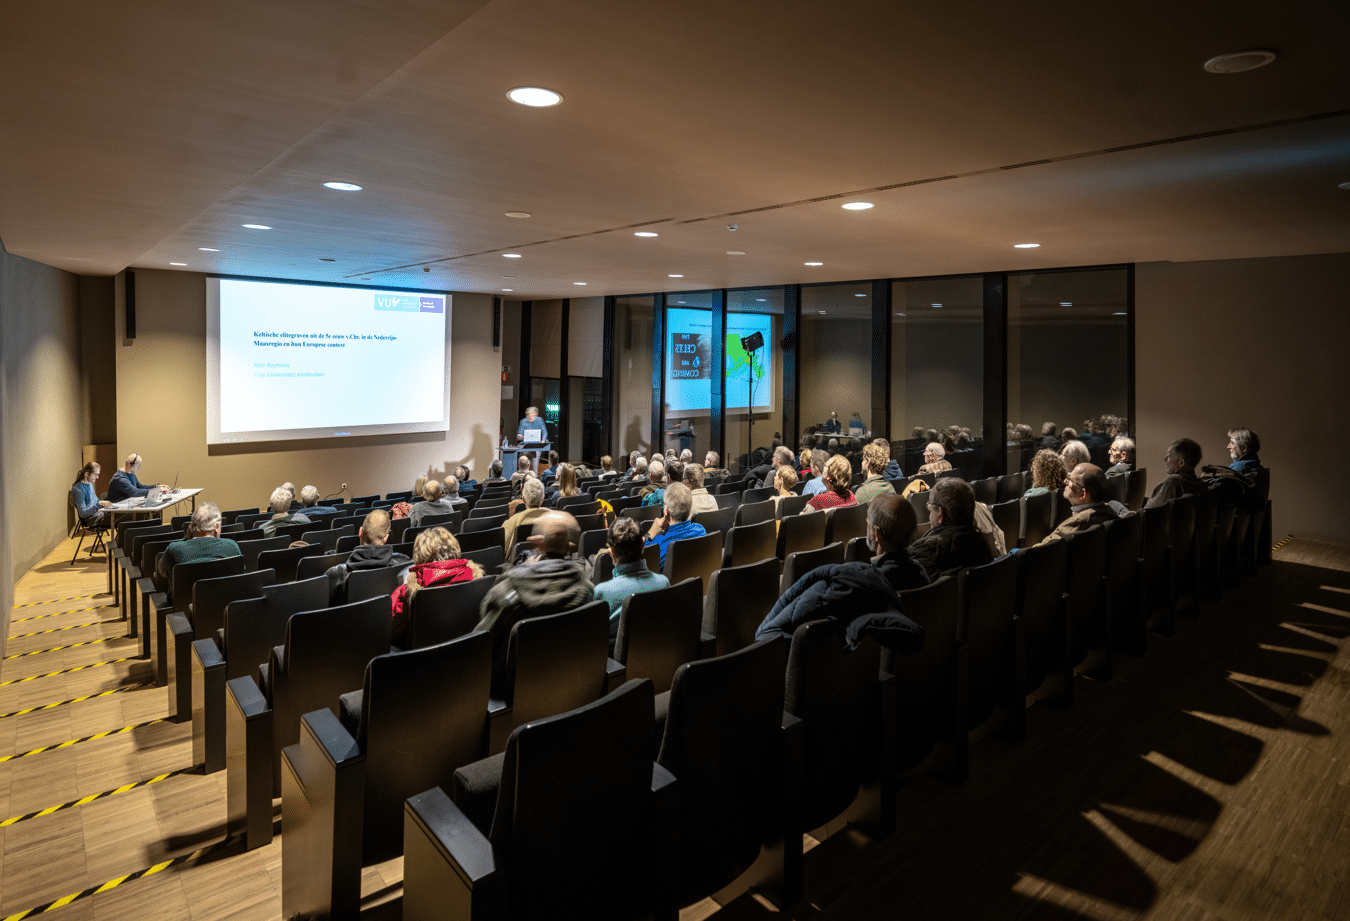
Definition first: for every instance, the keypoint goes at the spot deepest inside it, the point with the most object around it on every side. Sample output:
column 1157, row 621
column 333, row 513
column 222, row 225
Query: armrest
column 665, row 840
column 207, row 653
column 323, row 733
column 248, row 700
column 449, row 868
column 707, row 645
column 615, row 675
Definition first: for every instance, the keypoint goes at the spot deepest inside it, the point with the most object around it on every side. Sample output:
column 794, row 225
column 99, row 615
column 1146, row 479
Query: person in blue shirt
column 1244, row 447
column 817, row 482
column 675, row 523
column 832, row 426
column 631, row 575
column 124, row 484
column 532, row 422
column 87, row 503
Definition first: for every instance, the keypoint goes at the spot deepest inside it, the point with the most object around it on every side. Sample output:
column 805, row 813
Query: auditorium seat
column 1037, row 513
column 169, row 661
column 250, row 550
column 719, row 520
column 739, row 598
column 327, row 538
column 286, row 560
column 748, row 543
column 658, row 631
column 694, row 557
column 445, row 612
column 989, row 628
column 799, row 562
column 754, row 512
column 490, row 558
column 311, row 566
column 478, row 540
column 1041, row 581
column 1085, row 609
column 791, row 505
column 482, row 523
column 1122, row 583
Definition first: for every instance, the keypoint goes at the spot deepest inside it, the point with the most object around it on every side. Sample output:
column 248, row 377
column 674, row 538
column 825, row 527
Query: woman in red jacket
column 436, row 561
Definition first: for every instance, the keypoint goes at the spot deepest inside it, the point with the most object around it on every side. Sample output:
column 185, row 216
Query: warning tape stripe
column 96, row 607
column 38, row 652
column 94, row 623
column 14, row 820
column 75, row 700
column 97, row 735
column 65, row 671
column 1282, row 543
column 114, row 883
column 33, row 604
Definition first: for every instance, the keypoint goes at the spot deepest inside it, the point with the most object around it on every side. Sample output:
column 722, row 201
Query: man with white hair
column 533, row 493
column 1121, row 456
column 280, row 506
column 435, row 501
column 702, row 500
column 204, row 543
column 309, row 501
column 1074, row 453
column 766, row 472
column 653, row 494
column 935, row 459
column 675, row 523
column 124, row 484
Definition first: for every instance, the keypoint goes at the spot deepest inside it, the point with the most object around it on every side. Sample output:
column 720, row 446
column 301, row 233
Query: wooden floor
column 1209, row 780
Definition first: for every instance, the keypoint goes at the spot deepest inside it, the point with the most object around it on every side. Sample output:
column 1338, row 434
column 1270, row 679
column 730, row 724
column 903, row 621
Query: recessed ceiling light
column 1345, row 186
column 820, row 311
column 674, row 276
column 813, row 263
column 860, row 295
column 326, row 259
column 508, row 289
column 342, row 186
column 365, row 279
column 578, row 283
column 208, row 249
column 1119, row 313
column 735, row 252
column 177, row 263
column 899, row 314
column 535, row 96
column 1237, row 61
column 761, row 299
column 679, row 302
column 510, row 255
column 1025, row 245
column 645, row 233
column 518, row 214
column 257, row 226
column 856, row 206
column 1066, row 303
column 937, row 305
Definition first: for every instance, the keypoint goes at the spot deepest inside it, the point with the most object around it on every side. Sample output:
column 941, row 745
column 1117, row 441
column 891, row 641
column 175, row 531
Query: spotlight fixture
column 535, row 96
column 1066, row 303
column 508, row 289
column 578, row 283
column 342, row 186
column 735, row 252
column 1236, row 62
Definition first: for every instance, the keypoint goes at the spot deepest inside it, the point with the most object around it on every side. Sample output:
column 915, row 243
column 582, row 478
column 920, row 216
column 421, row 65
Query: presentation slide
column 689, row 368
column 290, row 360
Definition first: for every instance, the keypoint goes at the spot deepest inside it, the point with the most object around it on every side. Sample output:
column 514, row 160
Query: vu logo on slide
column 409, row 303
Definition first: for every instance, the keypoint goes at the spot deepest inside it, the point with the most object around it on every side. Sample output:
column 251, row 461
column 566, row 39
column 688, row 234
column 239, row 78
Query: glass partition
column 1068, row 361
column 753, row 379
column 631, row 424
column 937, row 371
column 835, row 367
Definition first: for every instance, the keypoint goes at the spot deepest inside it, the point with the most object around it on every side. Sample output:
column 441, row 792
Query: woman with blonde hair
column 1047, row 473
column 566, row 485
column 436, row 561
column 838, row 477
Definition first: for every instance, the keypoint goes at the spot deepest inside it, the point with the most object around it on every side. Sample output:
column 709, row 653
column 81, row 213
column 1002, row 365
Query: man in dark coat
column 952, row 542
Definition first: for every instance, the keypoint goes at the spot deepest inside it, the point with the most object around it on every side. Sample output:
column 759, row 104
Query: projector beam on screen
column 289, row 360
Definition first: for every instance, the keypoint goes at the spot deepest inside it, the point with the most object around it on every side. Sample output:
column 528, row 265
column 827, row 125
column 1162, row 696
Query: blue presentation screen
column 689, row 356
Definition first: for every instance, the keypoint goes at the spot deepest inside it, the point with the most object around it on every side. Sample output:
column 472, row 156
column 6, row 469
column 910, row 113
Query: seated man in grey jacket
column 436, row 503
column 952, row 542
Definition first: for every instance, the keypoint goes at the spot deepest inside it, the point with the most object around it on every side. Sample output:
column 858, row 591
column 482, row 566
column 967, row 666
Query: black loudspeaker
column 496, row 322
column 131, row 305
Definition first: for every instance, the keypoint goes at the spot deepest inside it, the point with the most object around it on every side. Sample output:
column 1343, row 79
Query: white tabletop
column 127, row 506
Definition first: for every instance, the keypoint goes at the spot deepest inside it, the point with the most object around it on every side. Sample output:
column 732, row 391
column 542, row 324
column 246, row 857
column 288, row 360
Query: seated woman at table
column 87, row 503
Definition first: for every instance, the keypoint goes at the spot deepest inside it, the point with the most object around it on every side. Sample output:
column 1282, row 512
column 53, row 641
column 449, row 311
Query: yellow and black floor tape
column 24, row 620
column 139, row 874
column 1282, row 543
column 65, row 671
column 75, row 700
column 38, row 652
column 33, row 604
column 93, row 623
column 125, row 788
column 97, row 735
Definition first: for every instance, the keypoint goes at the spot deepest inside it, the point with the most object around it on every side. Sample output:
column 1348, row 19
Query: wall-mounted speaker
column 496, row 322
column 131, row 304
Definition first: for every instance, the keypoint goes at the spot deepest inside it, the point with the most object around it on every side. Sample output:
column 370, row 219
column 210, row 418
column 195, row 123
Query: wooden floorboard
column 1210, row 779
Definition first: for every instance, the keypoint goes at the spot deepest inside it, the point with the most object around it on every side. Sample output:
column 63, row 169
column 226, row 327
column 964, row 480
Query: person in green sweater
column 204, row 543
column 874, row 460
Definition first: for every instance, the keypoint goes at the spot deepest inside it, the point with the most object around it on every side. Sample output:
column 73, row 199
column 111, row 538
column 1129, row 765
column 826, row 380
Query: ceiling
column 135, row 134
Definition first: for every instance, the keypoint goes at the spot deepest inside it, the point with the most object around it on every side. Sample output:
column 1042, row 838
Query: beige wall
column 43, row 416
column 1254, row 342
column 161, row 389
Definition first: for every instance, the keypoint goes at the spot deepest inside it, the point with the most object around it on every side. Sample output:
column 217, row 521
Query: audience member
column 524, row 470
column 551, row 472
column 710, row 467
column 639, row 471
column 1085, row 489
column 952, row 541
column 372, row 553
column 874, row 459
column 631, row 575
column 701, row 500
column 838, row 476
column 763, row 474
column 551, row 581
column 309, row 502
column 436, row 561
column 205, row 543
column 934, row 459
column 533, row 493
column 784, row 482
column 816, row 484
column 890, row 531
column 88, row 506
column 1183, row 456
column 607, row 468
column 1049, row 441
column 674, row 524
column 1074, row 453
column 655, row 492
column 686, row 456
column 1121, row 455
column 280, row 507
column 466, row 481
column 434, row 503
column 1047, row 473
column 494, row 474
column 566, row 485
column 124, row 484
column 1244, row 447
column 892, row 471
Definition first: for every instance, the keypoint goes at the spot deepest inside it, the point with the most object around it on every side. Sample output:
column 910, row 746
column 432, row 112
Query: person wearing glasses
column 952, row 541
column 124, row 484
column 1121, row 455
column 935, row 459
column 1085, row 489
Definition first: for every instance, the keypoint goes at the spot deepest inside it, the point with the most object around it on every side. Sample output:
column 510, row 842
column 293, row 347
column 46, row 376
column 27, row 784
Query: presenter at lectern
column 532, row 429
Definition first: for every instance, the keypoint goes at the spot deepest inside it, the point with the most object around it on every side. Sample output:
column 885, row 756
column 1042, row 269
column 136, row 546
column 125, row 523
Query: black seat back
column 791, row 505
column 800, row 562
column 720, row 520
column 1084, row 611
column 445, row 612
column 1037, row 512
column 754, row 512
column 930, row 687
column 844, row 524
column 185, row 575
column 490, row 558
column 1137, row 489
column 254, row 625
column 1040, row 605
column 478, row 540
column 286, row 560
column 694, row 558
column 483, row 523
column 310, row 566
column 801, row 534
column 211, row 595
column 1008, row 517
column 1122, row 585
column 739, row 598
column 659, row 631
column 988, row 604
column 1011, row 486
column 557, row 662
column 749, row 543
column 371, row 583
column 250, row 550
column 325, row 655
